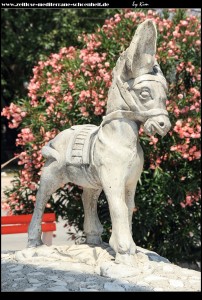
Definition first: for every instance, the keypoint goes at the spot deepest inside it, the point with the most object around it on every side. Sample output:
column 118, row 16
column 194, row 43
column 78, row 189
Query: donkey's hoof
column 93, row 239
column 34, row 243
column 126, row 259
column 123, row 246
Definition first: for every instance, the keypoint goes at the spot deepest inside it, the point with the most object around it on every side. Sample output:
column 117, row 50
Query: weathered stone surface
column 37, row 284
column 88, row 290
column 16, row 268
column 151, row 278
column 33, row 280
column 109, row 157
column 69, row 279
column 158, row 289
column 176, row 283
column 167, row 268
column 62, row 275
column 16, row 274
column 112, row 270
column 110, row 286
column 58, row 288
column 53, row 277
column 18, row 279
column 60, row 282
column 36, row 274
column 31, row 289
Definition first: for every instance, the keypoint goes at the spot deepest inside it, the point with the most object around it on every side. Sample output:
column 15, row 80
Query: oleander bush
column 70, row 87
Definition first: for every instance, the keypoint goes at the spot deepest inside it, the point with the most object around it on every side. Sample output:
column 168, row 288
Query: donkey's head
column 141, row 83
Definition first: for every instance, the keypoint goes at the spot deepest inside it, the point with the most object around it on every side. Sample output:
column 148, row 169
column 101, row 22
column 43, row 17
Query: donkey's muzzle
column 158, row 124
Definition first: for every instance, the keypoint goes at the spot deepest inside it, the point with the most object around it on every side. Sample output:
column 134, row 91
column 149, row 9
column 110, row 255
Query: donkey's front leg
column 130, row 197
column 121, row 239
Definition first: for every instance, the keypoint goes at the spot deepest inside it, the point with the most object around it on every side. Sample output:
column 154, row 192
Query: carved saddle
column 79, row 146
column 78, row 151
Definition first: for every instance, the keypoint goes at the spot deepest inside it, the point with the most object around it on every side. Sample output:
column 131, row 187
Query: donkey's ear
column 140, row 55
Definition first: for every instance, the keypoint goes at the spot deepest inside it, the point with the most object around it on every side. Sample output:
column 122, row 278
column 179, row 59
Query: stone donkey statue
column 109, row 157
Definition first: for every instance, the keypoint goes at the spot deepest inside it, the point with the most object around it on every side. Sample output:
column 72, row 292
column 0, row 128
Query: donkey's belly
column 85, row 176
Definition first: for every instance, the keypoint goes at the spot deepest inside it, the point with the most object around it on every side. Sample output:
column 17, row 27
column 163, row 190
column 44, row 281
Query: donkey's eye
column 145, row 94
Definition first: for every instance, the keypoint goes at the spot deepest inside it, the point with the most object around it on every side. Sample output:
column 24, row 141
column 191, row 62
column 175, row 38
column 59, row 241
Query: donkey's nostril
column 161, row 124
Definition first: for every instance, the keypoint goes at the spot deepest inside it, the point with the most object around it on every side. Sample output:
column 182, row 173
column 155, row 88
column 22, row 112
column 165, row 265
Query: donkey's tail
column 49, row 152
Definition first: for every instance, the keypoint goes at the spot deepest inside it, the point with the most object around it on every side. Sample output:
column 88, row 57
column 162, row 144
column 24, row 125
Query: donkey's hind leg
column 51, row 179
column 92, row 226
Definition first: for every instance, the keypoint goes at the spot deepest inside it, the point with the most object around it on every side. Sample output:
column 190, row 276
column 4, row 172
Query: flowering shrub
column 71, row 87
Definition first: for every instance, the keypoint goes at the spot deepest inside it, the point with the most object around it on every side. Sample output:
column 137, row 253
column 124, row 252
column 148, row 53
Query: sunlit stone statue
column 109, row 157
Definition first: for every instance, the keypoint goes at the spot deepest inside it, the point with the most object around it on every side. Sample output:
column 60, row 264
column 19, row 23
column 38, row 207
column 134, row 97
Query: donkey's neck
column 119, row 132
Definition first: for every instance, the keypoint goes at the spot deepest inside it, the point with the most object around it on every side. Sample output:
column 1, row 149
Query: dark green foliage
column 29, row 35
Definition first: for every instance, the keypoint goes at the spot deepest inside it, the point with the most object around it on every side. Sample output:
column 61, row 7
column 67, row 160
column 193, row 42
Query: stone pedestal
column 89, row 268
